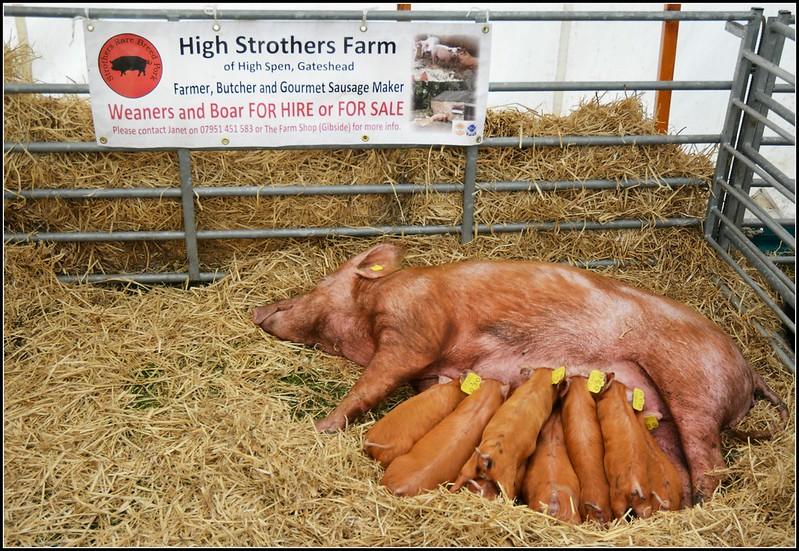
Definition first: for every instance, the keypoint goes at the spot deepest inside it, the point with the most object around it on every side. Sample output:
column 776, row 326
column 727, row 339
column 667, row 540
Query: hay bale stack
column 37, row 118
column 139, row 416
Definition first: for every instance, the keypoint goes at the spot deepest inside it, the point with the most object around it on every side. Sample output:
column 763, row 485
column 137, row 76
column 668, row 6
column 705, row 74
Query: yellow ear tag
column 376, row 268
column 596, row 380
column 558, row 375
column 638, row 399
column 471, row 383
column 651, row 422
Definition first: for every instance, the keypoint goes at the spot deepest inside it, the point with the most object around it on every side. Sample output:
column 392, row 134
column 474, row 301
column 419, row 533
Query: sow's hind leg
column 701, row 399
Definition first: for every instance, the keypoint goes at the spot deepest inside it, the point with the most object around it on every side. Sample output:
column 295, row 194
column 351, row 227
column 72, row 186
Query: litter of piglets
column 573, row 447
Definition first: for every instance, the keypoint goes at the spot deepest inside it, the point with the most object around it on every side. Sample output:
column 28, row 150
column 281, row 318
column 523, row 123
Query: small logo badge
column 130, row 65
column 471, row 130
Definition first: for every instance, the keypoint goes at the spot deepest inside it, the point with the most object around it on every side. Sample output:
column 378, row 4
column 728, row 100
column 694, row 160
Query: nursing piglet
column 439, row 455
column 626, row 455
column 586, row 450
column 510, row 437
column 550, row 484
column 396, row 433
column 665, row 480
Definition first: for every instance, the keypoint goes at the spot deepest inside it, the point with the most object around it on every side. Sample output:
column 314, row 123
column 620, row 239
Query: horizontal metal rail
column 585, row 225
column 763, row 119
column 356, row 189
column 538, row 141
column 268, row 233
column 764, row 217
column 477, row 15
column 542, row 86
column 783, row 259
column 774, row 140
column 772, row 68
column 752, row 283
column 163, row 277
column 83, row 236
column 206, row 277
column 28, row 88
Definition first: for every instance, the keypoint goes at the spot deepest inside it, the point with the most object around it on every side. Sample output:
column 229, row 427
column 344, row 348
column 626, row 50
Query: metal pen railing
column 739, row 159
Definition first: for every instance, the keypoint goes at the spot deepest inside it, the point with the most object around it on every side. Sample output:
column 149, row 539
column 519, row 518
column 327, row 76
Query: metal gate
column 752, row 96
column 739, row 159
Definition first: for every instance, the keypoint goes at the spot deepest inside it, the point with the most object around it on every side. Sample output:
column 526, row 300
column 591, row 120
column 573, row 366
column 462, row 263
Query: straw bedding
column 157, row 415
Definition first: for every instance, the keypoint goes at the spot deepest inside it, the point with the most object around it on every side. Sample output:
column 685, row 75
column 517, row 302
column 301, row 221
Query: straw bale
column 161, row 416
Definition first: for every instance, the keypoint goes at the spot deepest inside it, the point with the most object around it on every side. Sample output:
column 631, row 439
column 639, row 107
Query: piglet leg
column 389, row 368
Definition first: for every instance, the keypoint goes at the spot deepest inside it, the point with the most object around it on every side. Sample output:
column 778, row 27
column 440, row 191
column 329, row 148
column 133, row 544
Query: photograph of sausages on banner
column 444, row 76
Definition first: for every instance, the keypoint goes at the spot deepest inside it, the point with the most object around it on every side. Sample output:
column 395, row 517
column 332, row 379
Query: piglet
column 438, row 456
column 586, row 450
column 510, row 437
column 428, row 44
column 443, row 53
column 665, row 480
column 626, row 452
column 466, row 60
column 396, row 433
column 550, row 484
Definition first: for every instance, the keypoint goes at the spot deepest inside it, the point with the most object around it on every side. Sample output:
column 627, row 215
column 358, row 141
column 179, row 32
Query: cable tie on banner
column 363, row 21
column 487, row 19
column 211, row 10
column 89, row 24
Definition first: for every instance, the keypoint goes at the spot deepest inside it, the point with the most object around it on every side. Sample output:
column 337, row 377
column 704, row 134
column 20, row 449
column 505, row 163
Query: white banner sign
column 271, row 83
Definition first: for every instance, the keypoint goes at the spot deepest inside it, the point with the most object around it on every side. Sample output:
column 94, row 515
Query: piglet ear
column 380, row 261
column 563, row 387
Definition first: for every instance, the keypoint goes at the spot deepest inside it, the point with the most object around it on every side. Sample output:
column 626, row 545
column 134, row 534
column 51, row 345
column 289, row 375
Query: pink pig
column 443, row 53
column 494, row 317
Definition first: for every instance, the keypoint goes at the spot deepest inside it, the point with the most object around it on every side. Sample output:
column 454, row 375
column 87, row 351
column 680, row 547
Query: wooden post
column 668, row 54
column 403, row 7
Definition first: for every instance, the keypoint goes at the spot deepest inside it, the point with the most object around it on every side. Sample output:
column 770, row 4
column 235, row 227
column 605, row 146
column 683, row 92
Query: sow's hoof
column 328, row 425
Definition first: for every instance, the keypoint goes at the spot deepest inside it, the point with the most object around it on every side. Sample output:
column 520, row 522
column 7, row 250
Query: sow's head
column 331, row 310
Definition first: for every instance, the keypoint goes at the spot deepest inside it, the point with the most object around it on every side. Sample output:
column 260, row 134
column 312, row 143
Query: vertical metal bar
column 668, row 55
column 189, row 225
column 469, row 177
column 751, row 128
column 731, row 122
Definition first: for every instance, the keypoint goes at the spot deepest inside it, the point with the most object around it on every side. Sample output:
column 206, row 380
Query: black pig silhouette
column 129, row 63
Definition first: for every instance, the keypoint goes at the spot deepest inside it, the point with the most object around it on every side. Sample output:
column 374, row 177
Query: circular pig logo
column 130, row 65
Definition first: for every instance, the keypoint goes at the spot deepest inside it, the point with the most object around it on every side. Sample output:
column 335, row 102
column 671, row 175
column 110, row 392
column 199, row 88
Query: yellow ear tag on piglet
column 596, row 380
column 376, row 268
column 558, row 375
column 651, row 422
column 471, row 383
column 638, row 399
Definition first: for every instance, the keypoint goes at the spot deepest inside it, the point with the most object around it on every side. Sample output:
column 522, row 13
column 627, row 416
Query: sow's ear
column 380, row 261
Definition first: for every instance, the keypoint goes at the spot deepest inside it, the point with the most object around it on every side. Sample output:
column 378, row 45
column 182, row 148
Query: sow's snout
column 262, row 314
